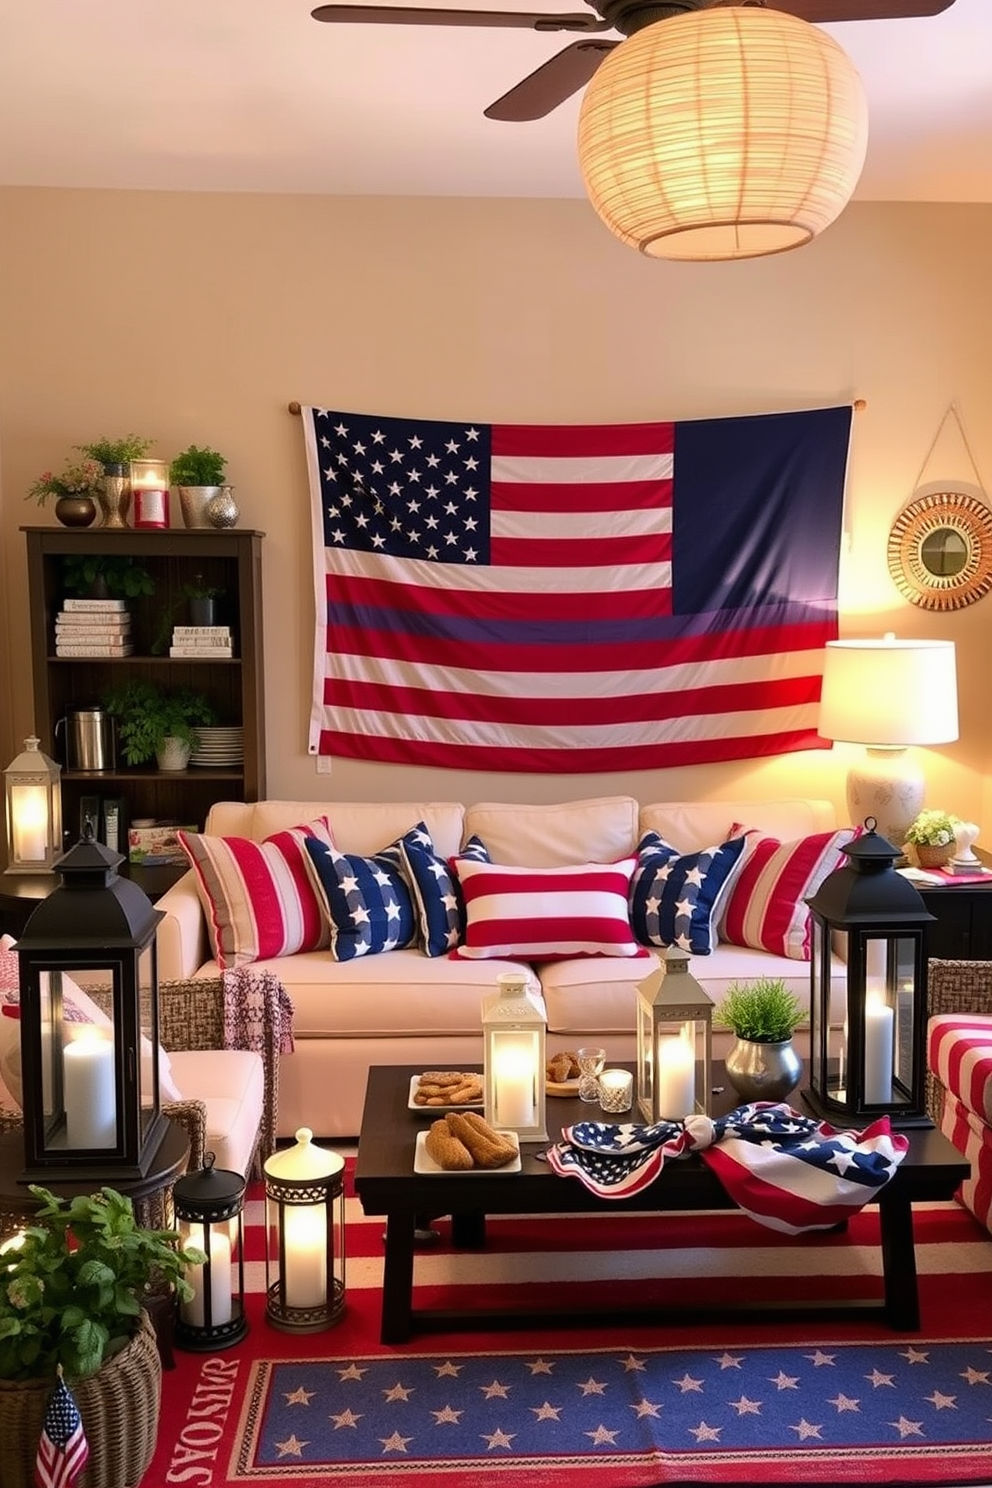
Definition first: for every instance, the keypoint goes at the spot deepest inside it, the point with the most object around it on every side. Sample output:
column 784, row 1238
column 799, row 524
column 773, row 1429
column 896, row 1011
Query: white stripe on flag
column 579, row 470
column 584, row 526
column 455, row 576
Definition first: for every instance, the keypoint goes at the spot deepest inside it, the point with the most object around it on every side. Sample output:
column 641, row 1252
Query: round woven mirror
column 940, row 550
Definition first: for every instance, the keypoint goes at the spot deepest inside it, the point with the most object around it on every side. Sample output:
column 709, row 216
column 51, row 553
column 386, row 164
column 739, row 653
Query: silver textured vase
column 760, row 1071
column 193, row 503
column 222, row 509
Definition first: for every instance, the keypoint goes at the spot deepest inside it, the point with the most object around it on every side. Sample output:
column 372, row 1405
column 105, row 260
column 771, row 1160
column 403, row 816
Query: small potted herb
column 198, row 475
column 153, row 723
column 115, row 455
column 75, row 489
column 763, row 1015
column 201, row 598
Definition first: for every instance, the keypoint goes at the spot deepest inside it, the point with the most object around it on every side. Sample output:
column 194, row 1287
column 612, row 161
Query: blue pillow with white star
column 368, row 902
column 676, row 898
column 435, row 891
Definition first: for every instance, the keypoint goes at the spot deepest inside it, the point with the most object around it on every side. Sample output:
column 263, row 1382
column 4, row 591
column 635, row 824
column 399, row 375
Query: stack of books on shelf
column 201, row 641
column 93, row 627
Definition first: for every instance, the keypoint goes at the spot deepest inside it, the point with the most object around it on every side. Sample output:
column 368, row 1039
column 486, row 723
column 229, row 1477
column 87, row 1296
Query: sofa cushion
column 367, row 900
column 356, row 826
column 536, row 914
column 767, row 905
column 973, row 1139
column 693, row 824
column 258, row 897
column 675, row 899
column 231, row 1085
column 959, row 1051
column 557, row 835
column 437, row 899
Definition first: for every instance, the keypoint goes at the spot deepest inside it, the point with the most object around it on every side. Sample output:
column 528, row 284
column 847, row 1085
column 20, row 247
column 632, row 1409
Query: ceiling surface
column 255, row 95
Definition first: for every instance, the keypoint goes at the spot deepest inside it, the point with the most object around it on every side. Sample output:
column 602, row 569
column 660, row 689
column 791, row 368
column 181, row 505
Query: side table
column 963, row 928
column 21, row 893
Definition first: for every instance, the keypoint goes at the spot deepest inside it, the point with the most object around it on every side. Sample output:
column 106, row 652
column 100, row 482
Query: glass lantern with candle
column 33, row 798
column 209, row 1208
column 674, row 1041
column 514, row 1033
column 304, row 1229
column 868, row 1039
column 150, row 489
column 91, row 1102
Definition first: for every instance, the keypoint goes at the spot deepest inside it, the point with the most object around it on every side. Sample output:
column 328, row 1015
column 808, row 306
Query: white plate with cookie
column 423, row 1163
column 436, row 1101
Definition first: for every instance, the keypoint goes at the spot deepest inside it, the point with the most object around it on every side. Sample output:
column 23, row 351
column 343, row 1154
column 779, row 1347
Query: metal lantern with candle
column 514, row 1033
column 304, row 1236
column 150, row 488
column 34, row 811
column 868, row 1039
column 674, row 1041
column 209, row 1209
column 91, row 1100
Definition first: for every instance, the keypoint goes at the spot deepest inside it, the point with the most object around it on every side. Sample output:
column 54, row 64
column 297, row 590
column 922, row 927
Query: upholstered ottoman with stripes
column 959, row 1054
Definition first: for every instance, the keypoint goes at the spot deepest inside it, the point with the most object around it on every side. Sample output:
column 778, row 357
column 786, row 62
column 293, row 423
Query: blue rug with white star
column 612, row 1404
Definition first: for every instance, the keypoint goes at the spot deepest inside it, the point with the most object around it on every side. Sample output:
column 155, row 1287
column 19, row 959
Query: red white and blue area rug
column 614, row 1406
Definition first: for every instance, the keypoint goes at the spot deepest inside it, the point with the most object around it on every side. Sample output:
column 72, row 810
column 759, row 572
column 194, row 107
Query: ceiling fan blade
column 823, row 12
column 401, row 15
column 551, row 83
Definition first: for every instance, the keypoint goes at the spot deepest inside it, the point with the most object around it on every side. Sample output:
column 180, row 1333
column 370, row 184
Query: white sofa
column 406, row 1008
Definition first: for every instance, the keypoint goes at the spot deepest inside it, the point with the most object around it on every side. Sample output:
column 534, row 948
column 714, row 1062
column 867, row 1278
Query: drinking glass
column 591, row 1062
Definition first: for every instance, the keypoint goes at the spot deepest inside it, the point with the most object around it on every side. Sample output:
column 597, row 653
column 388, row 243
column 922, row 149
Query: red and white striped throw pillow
column 259, row 897
column 766, row 909
column 546, row 914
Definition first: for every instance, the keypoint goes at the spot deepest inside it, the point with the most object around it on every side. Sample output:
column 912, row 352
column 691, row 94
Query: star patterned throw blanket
column 785, row 1170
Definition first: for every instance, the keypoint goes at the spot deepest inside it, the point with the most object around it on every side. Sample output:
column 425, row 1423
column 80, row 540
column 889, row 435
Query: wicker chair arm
column 959, row 987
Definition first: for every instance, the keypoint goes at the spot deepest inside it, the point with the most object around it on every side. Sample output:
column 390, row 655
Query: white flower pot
column 174, row 754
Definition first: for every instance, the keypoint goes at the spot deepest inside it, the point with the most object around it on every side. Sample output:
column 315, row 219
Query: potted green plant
column 763, row 1015
column 73, row 1293
column 932, row 835
column 154, row 723
column 75, row 489
column 202, row 600
column 102, row 575
column 115, row 455
column 198, row 475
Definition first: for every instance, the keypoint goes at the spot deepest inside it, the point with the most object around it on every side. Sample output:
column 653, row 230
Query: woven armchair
column 954, row 987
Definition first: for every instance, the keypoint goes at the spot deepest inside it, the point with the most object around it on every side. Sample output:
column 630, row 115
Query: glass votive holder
column 590, row 1061
column 616, row 1091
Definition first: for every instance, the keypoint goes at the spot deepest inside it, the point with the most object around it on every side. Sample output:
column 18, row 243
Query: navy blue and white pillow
column 434, row 888
column 676, row 898
column 368, row 901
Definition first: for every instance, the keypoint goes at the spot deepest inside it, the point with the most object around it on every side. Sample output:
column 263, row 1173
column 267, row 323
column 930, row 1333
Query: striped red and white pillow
column 259, row 897
column 767, row 909
column 546, row 914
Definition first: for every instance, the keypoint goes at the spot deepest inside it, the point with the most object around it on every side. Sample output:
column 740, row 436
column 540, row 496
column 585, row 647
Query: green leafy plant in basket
column 762, row 1012
column 71, row 1293
column 148, row 715
column 933, row 829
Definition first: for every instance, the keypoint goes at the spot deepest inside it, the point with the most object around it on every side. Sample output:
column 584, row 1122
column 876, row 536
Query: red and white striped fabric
column 767, row 906
column 259, row 897
column 959, row 1051
column 546, row 914
column 973, row 1139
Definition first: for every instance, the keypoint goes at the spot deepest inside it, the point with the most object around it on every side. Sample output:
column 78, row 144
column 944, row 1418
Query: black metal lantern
column 868, row 1043
column 91, row 1101
column 209, row 1209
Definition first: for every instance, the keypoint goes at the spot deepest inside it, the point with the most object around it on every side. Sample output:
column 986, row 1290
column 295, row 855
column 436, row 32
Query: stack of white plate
column 218, row 747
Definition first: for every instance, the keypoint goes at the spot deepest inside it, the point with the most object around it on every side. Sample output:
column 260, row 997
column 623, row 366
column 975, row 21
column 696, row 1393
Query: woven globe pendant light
column 722, row 133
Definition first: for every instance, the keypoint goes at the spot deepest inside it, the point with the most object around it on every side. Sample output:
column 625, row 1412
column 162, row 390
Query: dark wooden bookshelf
column 229, row 559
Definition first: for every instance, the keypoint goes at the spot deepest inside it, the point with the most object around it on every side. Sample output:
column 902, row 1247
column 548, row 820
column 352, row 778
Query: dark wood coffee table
column 386, row 1184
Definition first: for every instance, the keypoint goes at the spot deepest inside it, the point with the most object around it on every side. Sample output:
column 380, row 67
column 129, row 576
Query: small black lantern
column 92, row 1109
column 209, row 1209
column 868, row 1045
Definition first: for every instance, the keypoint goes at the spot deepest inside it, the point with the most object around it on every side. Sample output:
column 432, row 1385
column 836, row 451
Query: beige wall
column 197, row 318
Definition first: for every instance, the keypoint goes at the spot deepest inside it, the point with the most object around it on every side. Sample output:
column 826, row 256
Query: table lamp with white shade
column 888, row 694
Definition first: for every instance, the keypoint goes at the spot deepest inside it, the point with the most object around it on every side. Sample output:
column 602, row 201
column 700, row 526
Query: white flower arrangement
column 933, row 829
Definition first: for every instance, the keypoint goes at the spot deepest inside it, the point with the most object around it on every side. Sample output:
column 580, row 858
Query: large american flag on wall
column 573, row 598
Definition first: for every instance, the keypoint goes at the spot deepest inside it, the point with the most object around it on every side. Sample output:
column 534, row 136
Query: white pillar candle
column 90, row 1099
column 305, row 1260
column 879, row 1024
column 676, row 1076
column 29, row 809
column 193, row 1313
column 513, row 1081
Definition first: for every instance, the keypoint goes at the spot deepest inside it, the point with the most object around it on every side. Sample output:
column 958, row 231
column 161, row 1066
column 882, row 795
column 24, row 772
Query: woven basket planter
column 119, row 1406
column 934, row 857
